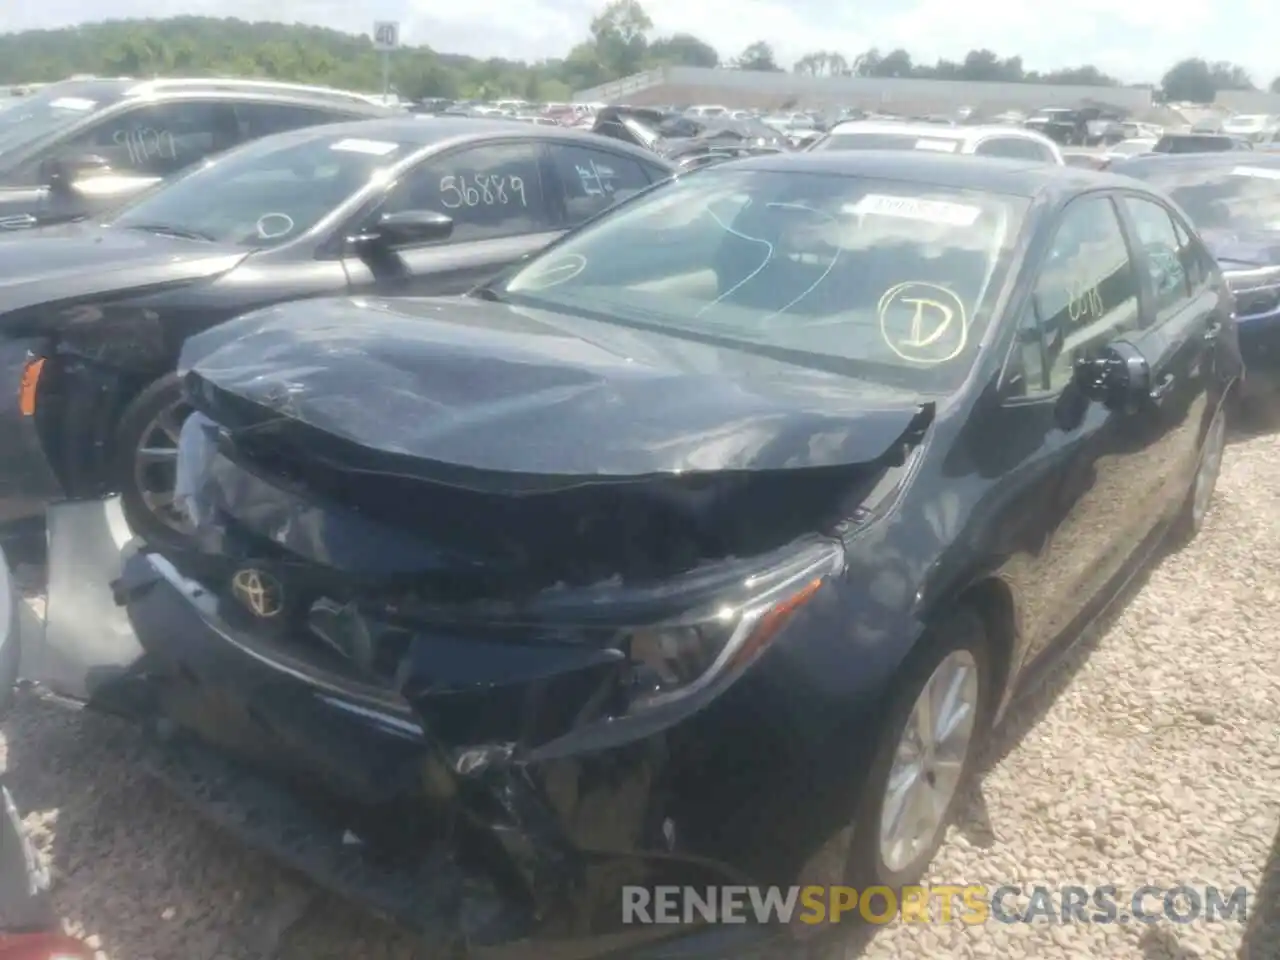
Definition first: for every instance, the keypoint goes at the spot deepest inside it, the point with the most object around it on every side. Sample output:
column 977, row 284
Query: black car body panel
column 469, row 658
column 567, row 390
column 80, row 264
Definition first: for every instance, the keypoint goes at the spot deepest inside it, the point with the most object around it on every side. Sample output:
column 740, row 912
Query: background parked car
column 82, row 147
column 983, row 141
column 92, row 315
column 1199, row 143
column 683, row 139
column 1234, row 202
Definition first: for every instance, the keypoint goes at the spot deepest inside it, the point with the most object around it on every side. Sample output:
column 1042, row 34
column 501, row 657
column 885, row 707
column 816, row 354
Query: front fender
column 27, row 481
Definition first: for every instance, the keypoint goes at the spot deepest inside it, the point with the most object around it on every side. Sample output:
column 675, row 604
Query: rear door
column 497, row 195
column 586, row 180
column 1178, row 342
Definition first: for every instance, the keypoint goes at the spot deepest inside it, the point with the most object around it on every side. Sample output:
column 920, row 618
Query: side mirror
column 1118, row 376
column 408, row 227
column 61, row 173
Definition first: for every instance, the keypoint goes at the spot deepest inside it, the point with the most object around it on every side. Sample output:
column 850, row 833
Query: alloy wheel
column 929, row 760
column 155, row 466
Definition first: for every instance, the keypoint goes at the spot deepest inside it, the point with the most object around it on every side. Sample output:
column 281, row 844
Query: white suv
column 984, row 141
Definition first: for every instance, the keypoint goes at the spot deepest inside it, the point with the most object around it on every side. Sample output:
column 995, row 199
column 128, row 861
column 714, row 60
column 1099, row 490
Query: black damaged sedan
column 714, row 538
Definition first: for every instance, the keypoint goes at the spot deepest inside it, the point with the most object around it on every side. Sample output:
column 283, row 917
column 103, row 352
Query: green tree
column 619, row 35
column 758, row 56
column 683, row 50
column 1190, row 80
column 618, row 45
column 822, row 63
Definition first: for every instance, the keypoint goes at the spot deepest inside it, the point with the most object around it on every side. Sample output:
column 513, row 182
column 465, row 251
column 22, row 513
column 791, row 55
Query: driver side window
column 1087, row 294
column 490, row 191
column 158, row 139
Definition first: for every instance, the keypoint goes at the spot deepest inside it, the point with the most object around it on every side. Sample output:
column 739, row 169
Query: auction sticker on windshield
column 940, row 146
column 1262, row 172
column 73, row 103
column 913, row 208
column 375, row 148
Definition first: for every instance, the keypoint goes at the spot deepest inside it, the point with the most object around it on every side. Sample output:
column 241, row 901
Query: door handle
column 1161, row 389
column 1213, row 330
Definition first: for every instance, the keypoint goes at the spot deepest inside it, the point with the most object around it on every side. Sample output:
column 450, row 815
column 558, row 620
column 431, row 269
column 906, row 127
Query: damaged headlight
column 684, row 656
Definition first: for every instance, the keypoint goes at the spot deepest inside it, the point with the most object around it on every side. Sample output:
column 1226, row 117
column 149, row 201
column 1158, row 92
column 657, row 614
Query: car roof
column 1024, row 178
column 936, row 131
column 107, row 90
column 424, row 130
column 1185, row 161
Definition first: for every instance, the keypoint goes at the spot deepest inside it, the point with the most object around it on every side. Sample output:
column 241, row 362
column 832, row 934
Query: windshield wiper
column 168, row 230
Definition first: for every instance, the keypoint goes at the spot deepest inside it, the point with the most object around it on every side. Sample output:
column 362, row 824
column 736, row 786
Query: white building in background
column 748, row 88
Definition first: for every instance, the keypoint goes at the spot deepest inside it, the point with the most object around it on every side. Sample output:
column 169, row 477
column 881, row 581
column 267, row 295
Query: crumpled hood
column 488, row 388
column 1244, row 248
column 82, row 260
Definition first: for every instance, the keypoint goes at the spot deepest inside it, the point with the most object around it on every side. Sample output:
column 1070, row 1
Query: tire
column 1194, row 510
column 959, row 639
column 136, row 424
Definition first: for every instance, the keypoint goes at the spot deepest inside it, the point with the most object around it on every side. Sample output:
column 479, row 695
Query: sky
column 1135, row 40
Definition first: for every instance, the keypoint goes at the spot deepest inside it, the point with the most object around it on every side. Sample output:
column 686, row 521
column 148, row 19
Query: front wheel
column 146, row 447
column 937, row 711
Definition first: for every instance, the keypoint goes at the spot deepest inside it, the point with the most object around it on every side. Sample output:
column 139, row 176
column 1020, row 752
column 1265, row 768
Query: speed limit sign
column 386, row 35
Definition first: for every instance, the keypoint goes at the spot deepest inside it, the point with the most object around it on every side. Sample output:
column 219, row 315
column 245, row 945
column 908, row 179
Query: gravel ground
column 1151, row 757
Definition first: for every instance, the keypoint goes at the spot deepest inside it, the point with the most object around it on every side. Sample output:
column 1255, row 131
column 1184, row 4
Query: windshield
column 266, row 193
column 888, row 141
column 888, row 280
column 45, row 113
column 1244, row 197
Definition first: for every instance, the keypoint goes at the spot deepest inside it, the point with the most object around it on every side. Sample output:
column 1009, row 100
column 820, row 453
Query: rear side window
column 1015, row 148
column 263, row 119
column 593, row 180
column 490, row 191
column 1160, row 247
column 1195, row 260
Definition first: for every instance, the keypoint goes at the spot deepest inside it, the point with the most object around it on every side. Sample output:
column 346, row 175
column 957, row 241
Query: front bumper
column 27, row 481
column 517, row 847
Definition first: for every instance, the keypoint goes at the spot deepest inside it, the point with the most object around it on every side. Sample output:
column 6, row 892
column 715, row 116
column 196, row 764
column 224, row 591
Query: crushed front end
column 563, row 742
column 522, row 693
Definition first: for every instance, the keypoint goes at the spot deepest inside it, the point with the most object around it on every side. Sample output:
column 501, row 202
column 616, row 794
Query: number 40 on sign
column 386, row 35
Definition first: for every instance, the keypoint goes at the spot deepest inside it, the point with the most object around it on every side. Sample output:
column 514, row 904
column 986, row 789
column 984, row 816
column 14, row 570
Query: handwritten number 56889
column 483, row 190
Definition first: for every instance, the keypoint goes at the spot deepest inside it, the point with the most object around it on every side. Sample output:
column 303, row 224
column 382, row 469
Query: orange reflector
column 772, row 622
column 30, row 383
